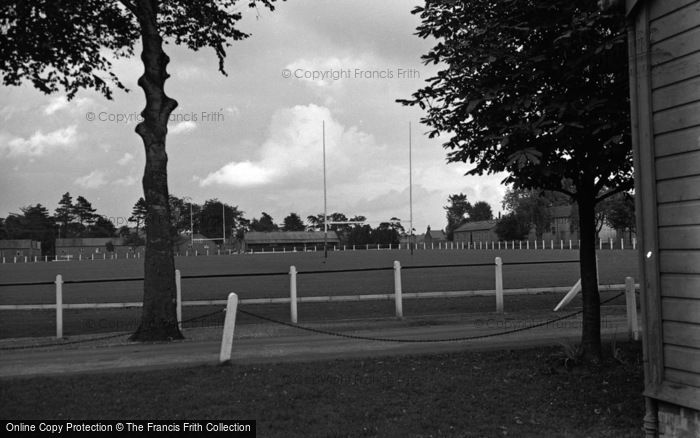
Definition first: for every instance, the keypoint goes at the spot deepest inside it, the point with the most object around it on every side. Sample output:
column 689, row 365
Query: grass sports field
column 614, row 267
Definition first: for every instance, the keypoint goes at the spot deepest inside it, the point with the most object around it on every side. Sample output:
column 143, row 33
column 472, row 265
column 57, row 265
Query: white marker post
column 293, row 293
column 178, row 298
column 631, row 300
column 499, row 285
column 229, row 327
column 397, row 289
column 59, row 306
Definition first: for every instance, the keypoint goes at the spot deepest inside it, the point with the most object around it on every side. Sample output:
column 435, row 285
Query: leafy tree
column 619, row 212
column 480, row 211
column 123, row 231
column 457, row 213
column 84, row 212
column 512, row 227
column 33, row 223
column 538, row 89
column 293, row 223
column 395, row 224
column 3, row 230
column 317, row 223
column 139, row 213
column 360, row 235
column 212, row 221
column 531, row 208
column 265, row 223
column 385, row 234
column 64, row 213
column 185, row 215
column 78, row 42
column 102, row 227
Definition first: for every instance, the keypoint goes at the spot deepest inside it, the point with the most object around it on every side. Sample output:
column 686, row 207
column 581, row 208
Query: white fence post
column 535, row 243
column 178, row 298
column 397, row 289
column 499, row 285
column 634, row 243
column 229, row 327
column 528, row 243
column 569, row 244
column 59, row 306
column 293, row 293
column 521, row 244
column 631, row 299
column 622, row 243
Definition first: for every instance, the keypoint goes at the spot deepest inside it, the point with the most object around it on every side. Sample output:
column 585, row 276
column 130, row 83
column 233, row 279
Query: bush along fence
column 602, row 244
column 294, row 300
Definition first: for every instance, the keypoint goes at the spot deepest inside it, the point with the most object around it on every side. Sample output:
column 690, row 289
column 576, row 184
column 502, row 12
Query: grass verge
column 523, row 393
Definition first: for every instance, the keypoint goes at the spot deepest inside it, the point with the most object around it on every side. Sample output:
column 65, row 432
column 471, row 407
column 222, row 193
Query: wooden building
column 289, row 240
column 664, row 45
column 478, row 231
column 11, row 248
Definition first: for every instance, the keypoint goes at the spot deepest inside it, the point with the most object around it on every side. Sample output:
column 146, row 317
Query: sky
column 254, row 138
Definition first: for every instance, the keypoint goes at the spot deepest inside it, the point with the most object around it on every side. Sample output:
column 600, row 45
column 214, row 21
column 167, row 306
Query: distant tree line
column 76, row 218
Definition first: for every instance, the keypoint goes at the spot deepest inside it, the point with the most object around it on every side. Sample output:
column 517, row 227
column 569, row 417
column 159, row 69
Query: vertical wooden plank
column 642, row 141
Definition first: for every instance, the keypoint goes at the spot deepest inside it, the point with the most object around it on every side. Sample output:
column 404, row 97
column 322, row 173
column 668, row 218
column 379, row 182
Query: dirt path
column 271, row 343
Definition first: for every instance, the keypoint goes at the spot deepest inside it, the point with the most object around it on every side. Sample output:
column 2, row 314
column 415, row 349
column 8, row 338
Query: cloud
column 126, row 181
column 125, row 159
column 39, row 143
column 60, row 103
column 93, row 180
column 293, row 151
column 243, row 174
column 183, row 127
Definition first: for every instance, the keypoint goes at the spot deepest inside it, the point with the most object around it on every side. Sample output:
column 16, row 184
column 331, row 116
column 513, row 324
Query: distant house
column 20, row 248
column 288, row 240
column 479, row 231
column 434, row 237
column 560, row 227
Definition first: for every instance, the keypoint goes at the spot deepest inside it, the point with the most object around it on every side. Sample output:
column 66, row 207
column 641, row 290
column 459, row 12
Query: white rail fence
column 562, row 245
column 294, row 300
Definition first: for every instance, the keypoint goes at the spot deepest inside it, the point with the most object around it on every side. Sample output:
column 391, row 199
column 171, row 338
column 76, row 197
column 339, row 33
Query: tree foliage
column 212, row 216
column 537, row 89
column 534, row 88
column 480, row 211
column 457, row 209
column 293, row 223
column 512, row 227
column 265, row 223
column 70, row 45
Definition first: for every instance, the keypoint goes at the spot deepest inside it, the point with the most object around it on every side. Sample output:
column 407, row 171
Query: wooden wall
column 665, row 76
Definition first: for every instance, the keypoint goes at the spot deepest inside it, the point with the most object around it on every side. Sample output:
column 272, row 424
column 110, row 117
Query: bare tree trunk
column 590, row 334
column 159, row 317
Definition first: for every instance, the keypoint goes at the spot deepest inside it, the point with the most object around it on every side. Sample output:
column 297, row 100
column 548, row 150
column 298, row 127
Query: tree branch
column 129, row 5
column 621, row 188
